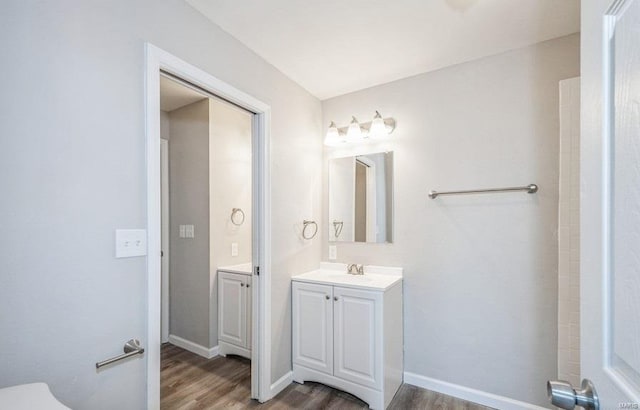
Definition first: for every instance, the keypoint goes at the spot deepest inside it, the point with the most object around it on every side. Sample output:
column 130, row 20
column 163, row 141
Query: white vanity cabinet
column 234, row 313
column 349, row 336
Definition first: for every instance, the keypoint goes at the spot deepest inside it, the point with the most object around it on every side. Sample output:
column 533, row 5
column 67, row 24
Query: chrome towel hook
column 306, row 224
column 337, row 228
column 234, row 219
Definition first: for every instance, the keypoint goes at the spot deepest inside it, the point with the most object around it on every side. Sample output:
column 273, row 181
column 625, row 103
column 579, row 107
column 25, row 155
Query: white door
column 610, row 227
column 357, row 336
column 312, row 308
column 232, row 304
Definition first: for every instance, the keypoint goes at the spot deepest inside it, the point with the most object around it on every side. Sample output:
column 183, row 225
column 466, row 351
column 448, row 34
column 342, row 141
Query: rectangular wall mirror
column 361, row 198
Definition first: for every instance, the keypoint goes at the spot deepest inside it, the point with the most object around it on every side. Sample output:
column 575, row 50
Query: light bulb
column 354, row 133
column 333, row 137
column 378, row 127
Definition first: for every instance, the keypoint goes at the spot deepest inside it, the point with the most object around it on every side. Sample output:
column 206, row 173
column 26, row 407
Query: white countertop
column 243, row 268
column 374, row 278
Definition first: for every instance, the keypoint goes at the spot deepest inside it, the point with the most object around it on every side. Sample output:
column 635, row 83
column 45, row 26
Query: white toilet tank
column 29, row 397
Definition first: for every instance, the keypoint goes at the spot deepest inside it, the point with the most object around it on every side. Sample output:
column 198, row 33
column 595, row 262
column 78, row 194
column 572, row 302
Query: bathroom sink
column 348, row 277
column 371, row 281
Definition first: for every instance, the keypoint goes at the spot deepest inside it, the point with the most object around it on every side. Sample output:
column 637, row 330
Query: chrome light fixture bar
column 377, row 129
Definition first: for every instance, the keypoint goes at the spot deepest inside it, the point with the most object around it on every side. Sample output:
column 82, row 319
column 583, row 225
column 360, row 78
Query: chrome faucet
column 355, row 269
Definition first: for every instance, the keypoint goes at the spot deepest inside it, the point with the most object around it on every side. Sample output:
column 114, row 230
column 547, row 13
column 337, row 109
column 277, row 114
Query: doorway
column 207, row 240
column 161, row 64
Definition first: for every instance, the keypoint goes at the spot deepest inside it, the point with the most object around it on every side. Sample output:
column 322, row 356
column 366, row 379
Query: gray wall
column 73, row 170
column 480, row 271
column 189, row 205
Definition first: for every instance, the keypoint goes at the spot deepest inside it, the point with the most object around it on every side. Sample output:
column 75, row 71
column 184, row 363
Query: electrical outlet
column 131, row 242
column 234, row 249
column 333, row 252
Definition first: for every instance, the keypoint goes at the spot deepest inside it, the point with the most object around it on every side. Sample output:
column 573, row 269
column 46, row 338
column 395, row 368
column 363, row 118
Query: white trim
column 261, row 252
column 164, row 192
column 468, row 394
column 193, row 347
column 281, row 383
column 154, row 221
column 156, row 60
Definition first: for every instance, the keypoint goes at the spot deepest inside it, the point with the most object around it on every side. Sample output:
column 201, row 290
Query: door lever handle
column 564, row 396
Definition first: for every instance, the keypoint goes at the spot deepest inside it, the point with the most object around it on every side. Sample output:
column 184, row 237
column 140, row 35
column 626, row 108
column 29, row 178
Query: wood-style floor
column 189, row 381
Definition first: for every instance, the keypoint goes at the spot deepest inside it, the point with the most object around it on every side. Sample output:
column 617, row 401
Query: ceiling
column 333, row 47
column 174, row 95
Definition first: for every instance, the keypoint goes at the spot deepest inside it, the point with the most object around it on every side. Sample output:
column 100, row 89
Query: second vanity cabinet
column 234, row 313
column 349, row 337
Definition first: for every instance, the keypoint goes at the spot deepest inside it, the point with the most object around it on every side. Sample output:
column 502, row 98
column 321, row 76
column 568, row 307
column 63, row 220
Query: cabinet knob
column 327, row 297
column 335, row 298
column 247, row 285
column 242, row 285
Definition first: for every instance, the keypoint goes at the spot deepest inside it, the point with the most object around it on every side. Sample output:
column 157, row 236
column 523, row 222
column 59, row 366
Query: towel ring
column 234, row 212
column 306, row 225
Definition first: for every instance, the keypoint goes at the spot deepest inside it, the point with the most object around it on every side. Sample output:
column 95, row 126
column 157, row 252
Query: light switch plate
column 131, row 242
column 333, row 252
column 234, row 249
column 186, row 231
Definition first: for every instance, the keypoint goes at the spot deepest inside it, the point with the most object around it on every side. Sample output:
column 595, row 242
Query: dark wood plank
column 189, row 381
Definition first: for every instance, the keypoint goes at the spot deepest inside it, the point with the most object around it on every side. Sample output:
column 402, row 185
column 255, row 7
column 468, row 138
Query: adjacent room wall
column 189, row 205
column 230, row 187
column 164, row 126
column 481, row 272
column 210, row 173
column 73, row 170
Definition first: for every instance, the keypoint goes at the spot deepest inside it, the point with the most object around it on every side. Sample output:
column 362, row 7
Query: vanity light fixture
column 378, row 129
column 355, row 132
column 334, row 137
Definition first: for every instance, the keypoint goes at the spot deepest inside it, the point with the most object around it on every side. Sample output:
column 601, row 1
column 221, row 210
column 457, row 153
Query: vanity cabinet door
column 312, row 313
column 358, row 336
column 232, row 305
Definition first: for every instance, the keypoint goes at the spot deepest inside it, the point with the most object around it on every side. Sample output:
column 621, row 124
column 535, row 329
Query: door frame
column 164, row 253
column 156, row 60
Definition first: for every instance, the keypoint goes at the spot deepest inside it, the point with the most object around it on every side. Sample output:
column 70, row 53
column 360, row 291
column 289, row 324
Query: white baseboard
column 281, row 384
column 193, row 347
column 466, row 393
